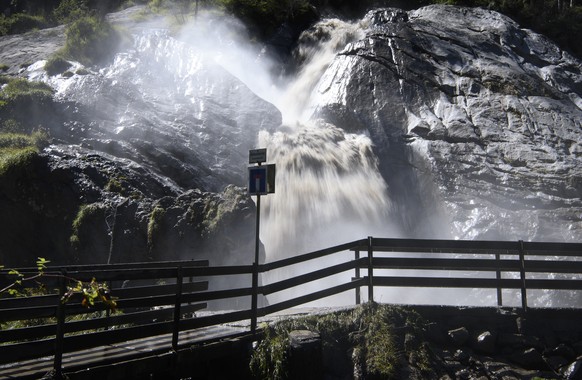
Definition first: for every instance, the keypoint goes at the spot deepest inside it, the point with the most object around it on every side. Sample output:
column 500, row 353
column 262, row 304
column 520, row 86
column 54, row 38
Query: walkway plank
column 119, row 352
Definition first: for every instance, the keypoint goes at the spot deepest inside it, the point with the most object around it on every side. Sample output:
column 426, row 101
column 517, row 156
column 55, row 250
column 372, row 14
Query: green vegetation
column 365, row 337
column 91, row 293
column 154, row 225
column 21, row 22
column 18, row 89
column 91, row 40
column 561, row 20
column 56, row 64
column 18, row 144
column 86, row 211
column 16, row 158
column 10, row 126
column 19, row 150
column 69, row 10
column 13, row 288
column 116, row 184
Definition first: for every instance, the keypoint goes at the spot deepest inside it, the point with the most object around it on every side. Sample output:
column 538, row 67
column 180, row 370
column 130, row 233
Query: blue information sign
column 258, row 180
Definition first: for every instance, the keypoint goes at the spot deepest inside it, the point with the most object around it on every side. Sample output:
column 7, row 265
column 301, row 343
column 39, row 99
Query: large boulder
column 147, row 154
column 476, row 122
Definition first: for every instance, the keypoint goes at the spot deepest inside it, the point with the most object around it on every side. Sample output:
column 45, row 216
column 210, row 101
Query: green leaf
column 14, row 272
column 41, row 263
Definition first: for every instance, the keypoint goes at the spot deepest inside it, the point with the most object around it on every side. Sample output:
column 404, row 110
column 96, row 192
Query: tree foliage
column 69, row 10
column 561, row 20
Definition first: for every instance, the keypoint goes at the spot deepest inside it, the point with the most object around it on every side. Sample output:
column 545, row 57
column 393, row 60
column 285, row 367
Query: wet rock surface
column 153, row 144
column 490, row 112
column 489, row 353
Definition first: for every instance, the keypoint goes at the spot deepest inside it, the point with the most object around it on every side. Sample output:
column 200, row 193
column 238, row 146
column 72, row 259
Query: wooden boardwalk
column 92, row 363
column 161, row 325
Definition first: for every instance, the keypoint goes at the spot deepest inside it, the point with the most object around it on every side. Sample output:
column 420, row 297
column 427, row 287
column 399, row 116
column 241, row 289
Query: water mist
column 329, row 189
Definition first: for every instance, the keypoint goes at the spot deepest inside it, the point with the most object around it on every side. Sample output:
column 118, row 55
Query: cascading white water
column 329, row 189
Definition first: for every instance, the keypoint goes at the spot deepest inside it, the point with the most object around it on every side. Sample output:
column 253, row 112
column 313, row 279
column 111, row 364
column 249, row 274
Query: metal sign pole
column 261, row 181
column 254, row 303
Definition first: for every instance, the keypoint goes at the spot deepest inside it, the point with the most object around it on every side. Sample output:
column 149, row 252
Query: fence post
column 370, row 270
column 60, row 333
column 522, row 276
column 498, row 276
column 357, row 257
column 255, row 295
column 177, row 307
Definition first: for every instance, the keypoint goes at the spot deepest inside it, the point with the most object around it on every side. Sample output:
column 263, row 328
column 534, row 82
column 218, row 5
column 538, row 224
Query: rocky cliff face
column 464, row 124
column 145, row 158
column 476, row 122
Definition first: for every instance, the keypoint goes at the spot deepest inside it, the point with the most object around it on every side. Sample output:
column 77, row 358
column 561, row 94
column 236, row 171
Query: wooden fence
column 164, row 298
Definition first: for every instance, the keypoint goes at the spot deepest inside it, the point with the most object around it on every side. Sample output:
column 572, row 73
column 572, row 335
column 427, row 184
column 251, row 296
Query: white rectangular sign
column 257, row 156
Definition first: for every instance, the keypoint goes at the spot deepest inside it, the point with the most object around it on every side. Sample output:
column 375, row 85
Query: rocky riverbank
column 432, row 342
column 486, row 343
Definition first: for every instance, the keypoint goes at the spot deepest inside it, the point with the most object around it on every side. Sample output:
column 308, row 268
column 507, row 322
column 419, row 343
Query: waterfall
column 328, row 186
column 329, row 190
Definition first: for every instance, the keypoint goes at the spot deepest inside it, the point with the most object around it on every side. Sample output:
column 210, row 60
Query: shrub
column 116, row 185
column 56, row 65
column 4, row 67
column 14, row 140
column 86, row 212
column 18, row 150
column 40, row 138
column 154, row 226
column 17, row 159
column 11, row 126
column 70, row 10
column 91, row 40
column 367, row 331
column 20, row 23
column 18, row 88
column 23, row 105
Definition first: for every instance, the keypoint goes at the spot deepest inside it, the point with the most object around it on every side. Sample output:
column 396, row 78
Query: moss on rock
column 362, row 340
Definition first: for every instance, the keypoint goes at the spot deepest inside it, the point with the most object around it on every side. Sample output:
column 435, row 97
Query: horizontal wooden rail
column 448, row 282
column 557, row 284
column 446, row 264
column 309, row 256
column 311, row 297
column 440, row 246
column 306, row 278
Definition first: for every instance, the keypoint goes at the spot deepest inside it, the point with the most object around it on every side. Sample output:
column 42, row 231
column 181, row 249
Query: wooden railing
column 164, row 298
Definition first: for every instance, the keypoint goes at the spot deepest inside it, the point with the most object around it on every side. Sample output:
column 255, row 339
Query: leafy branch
column 20, row 278
column 91, row 292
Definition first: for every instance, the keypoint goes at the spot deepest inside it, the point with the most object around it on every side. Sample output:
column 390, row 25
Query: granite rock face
column 476, row 122
column 147, row 155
